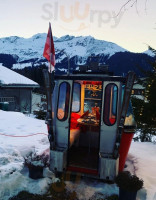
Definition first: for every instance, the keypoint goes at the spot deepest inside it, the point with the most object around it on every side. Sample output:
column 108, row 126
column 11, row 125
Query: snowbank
column 21, row 135
column 143, row 156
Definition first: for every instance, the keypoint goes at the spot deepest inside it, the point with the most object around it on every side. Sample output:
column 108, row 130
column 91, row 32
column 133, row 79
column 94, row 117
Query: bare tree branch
column 131, row 3
column 123, row 7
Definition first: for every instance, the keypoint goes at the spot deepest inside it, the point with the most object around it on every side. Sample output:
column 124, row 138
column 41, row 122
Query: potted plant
column 128, row 185
column 35, row 164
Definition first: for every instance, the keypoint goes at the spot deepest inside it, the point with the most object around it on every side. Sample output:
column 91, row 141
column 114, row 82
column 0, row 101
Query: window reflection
column 63, row 101
column 110, row 104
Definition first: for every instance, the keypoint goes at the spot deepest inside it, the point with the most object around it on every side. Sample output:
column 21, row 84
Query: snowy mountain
column 25, row 55
column 31, row 49
column 149, row 52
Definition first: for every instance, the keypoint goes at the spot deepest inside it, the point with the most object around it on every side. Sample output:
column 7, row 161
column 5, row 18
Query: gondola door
column 84, row 134
column 108, row 166
column 109, row 115
column 63, row 113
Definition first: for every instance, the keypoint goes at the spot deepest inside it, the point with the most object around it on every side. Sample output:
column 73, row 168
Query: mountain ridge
column 25, row 55
column 81, row 46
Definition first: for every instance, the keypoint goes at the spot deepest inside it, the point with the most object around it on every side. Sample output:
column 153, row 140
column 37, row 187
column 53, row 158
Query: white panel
column 108, row 168
column 58, row 160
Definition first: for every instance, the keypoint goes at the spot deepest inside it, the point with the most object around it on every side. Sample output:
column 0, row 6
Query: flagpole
column 51, row 74
column 50, row 46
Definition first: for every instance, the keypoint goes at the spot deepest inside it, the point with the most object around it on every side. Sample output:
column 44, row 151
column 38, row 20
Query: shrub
column 128, row 182
column 40, row 114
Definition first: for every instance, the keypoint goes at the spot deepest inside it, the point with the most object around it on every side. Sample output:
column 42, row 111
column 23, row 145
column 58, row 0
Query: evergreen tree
column 145, row 110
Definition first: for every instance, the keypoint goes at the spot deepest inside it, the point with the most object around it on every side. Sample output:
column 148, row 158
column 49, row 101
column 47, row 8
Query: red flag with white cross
column 49, row 50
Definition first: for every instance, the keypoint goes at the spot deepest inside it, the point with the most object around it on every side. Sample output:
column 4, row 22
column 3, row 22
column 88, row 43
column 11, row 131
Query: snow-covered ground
column 21, row 135
column 16, row 143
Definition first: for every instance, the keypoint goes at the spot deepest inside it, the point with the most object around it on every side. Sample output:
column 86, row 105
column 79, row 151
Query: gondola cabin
column 86, row 110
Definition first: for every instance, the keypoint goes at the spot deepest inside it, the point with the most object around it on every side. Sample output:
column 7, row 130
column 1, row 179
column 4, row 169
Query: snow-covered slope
column 24, row 48
column 8, row 77
column 149, row 52
column 85, row 46
column 32, row 48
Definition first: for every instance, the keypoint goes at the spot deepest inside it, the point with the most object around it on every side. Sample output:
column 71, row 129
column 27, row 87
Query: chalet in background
column 15, row 91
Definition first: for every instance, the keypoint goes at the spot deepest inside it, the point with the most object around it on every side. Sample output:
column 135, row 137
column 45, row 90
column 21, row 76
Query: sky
column 133, row 28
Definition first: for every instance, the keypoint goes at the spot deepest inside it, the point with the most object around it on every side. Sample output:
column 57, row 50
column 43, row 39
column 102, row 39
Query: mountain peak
column 65, row 38
column 39, row 35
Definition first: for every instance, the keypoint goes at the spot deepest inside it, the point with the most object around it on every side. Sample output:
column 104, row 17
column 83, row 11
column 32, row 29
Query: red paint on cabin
column 126, row 140
column 82, row 170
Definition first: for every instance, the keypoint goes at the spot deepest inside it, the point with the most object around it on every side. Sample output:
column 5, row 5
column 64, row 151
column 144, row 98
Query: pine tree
column 145, row 110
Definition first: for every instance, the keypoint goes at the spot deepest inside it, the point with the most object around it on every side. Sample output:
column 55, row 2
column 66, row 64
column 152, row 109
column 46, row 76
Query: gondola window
column 63, row 101
column 76, row 97
column 110, row 104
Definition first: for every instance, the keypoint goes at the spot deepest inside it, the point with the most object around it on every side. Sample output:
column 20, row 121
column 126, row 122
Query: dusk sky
column 133, row 28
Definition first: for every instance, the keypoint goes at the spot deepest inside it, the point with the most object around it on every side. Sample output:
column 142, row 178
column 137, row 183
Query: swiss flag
column 49, row 50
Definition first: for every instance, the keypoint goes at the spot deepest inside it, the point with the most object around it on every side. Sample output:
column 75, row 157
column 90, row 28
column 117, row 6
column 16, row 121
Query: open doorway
column 83, row 150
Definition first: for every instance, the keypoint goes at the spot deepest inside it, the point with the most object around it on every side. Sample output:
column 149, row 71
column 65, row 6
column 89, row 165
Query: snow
column 149, row 52
column 8, row 76
column 21, row 65
column 85, row 46
column 141, row 161
column 90, row 188
column 17, row 141
column 25, row 48
column 145, row 163
column 22, row 135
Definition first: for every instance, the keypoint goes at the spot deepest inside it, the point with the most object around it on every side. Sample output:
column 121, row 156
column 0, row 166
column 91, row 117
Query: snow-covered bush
column 37, row 160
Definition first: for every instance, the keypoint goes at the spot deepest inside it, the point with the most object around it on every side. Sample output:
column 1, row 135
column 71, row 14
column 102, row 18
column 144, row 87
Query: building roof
column 9, row 78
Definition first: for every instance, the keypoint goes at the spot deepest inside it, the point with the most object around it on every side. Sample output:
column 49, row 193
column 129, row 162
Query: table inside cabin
column 90, row 124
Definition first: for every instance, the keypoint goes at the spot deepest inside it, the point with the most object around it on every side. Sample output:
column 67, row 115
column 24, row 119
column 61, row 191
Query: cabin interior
column 85, row 116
